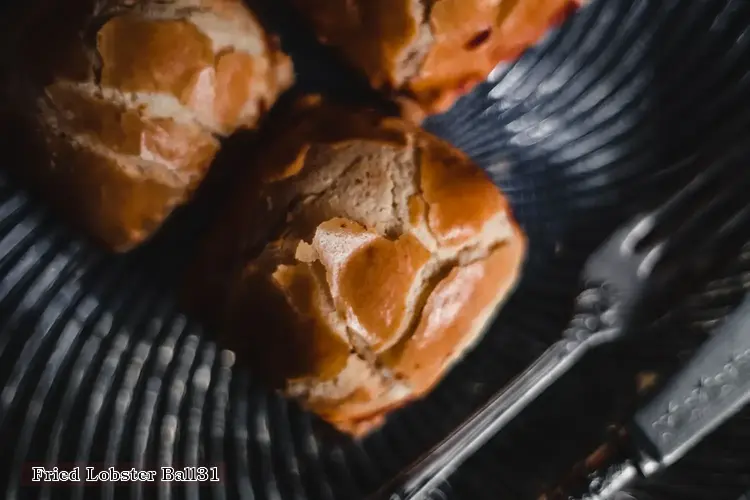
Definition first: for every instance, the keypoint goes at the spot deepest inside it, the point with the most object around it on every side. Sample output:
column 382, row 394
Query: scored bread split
column 360, row 263
column 130, row 99
column 431, row 52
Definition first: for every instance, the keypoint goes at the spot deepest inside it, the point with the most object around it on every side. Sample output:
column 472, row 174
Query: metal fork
column 639, row 261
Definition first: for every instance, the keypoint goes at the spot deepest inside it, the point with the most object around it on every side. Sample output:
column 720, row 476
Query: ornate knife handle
column 712, row 387
column 596, row 321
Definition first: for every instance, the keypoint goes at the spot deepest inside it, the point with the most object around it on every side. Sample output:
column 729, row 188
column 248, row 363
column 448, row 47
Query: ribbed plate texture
column 98, row 365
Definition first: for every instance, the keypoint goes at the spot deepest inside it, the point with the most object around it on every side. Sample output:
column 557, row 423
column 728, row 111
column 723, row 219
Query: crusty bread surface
column 131, row 98
column 359, row 263
column 431, row 51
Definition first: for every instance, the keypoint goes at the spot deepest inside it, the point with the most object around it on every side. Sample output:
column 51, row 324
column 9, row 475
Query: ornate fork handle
column 597, row 318
column 596, row 321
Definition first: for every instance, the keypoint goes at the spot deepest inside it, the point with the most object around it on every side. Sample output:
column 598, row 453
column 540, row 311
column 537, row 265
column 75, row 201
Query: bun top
column 368, row 253
column 207, row 62
column 211, row 59
column 433, row 51
column 128, row 100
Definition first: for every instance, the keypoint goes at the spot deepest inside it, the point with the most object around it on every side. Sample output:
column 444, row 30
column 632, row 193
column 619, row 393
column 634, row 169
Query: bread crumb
column 306, row 253
column 646, row 380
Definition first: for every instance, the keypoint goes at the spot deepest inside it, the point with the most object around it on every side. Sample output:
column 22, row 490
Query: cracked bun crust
column 359, row 264
column 431, row 51
column 130, row 100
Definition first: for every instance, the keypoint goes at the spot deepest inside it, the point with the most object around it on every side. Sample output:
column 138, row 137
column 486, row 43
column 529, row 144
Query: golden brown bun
column 360, row 264
column 130, row 100
column 432, row 51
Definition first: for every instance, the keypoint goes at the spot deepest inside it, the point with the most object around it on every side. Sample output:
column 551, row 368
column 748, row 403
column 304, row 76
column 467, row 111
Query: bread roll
column 130, row 99
column 431, row 51
column 363, row 263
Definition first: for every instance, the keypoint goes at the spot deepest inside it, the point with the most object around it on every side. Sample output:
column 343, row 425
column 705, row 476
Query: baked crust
column 130, row 100
column 431, row 51
column 358, row 264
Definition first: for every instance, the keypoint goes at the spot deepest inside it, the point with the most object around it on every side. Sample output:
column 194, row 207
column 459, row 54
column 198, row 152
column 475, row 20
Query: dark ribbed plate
column 98, row 366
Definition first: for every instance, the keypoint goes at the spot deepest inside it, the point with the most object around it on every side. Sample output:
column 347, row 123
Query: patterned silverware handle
column 594, row 322
column 712, row 387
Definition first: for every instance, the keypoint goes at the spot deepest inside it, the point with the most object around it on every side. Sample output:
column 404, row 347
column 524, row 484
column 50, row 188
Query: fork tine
column 693, row 207
column 731, row 227
column 691, row 198
column 675, row 203
column 708, row 219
